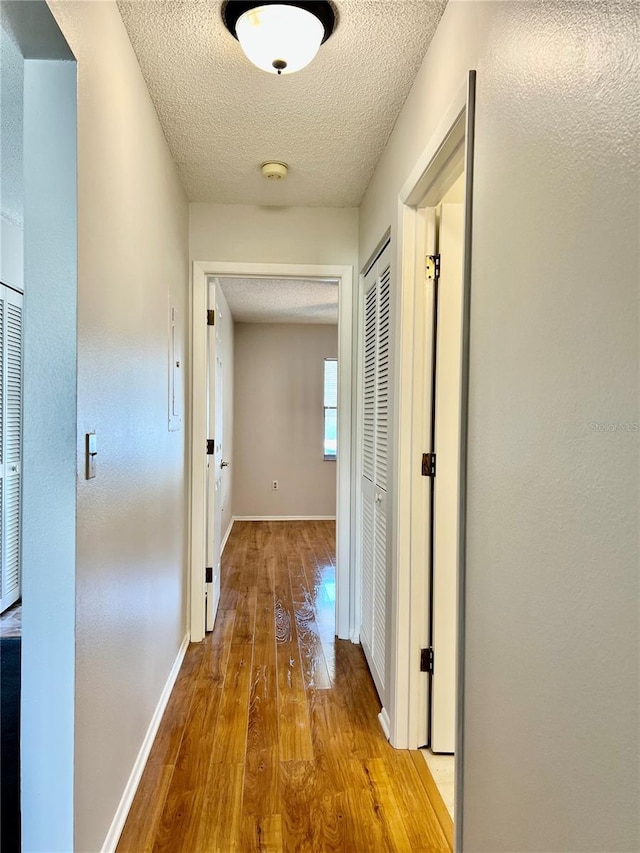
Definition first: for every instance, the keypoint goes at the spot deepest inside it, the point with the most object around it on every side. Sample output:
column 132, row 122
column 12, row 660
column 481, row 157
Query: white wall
column 11, row 161
column 49, row 457
column 131, row 543
column 284, row 235
column 551, row 725
column 226, row 344
column 11, row 128
column 278, row 420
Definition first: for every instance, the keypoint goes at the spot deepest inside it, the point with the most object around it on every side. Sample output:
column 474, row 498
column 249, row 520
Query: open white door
column 446, row 484
column 214, row 461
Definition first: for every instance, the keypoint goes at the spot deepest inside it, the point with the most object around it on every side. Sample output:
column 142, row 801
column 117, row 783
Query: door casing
column 345, row 580
column 429, row 177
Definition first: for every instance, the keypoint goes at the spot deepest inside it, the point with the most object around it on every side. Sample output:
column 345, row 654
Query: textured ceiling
column 268, row 300
column 330, row 122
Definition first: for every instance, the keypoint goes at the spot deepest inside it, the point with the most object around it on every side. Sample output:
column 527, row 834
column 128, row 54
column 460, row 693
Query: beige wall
column 278, row 421
column 284, row 235
column 551, row 679
column 131, row 545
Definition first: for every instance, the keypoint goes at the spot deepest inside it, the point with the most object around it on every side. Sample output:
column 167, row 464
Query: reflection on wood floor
column 270, row 741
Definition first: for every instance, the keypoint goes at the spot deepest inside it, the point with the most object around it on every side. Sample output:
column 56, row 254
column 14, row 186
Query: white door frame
column 345, row 604
column 430, row 175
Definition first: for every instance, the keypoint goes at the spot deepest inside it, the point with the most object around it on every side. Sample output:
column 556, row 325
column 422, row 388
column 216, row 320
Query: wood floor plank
column 332, row 738
column 434, row 796
column 384, row 800
column 261, row 834
column 270, row 740
column 293, row 709
column 217, row 647
column 179, row 827
column 265, row 634
column 166, row 746
column 260, row 796
column 231, row 734
column 314, row 667
column 220, row 823
column 312, row 810
column 370, row 820
column 245, row 619
column 139, row 836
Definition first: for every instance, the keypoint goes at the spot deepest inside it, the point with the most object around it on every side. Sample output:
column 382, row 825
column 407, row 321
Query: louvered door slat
column 369, row 402
column 12, row 537
column 382, row 380
column 380, row 591
column 2, row 382
column 376, row 419
column 368, row 561
column 11, row 441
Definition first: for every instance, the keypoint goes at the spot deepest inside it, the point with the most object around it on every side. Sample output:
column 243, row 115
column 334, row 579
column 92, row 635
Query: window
column 330, row 408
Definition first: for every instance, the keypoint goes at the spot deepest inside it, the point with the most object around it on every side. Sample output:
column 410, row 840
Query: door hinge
column 211, row 317
column 208, row 574
column 428, row 464
column 432, row 267
column 426, row 660
column 211, row 446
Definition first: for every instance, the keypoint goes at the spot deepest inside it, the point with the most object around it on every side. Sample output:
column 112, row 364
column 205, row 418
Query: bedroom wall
column 278, row 421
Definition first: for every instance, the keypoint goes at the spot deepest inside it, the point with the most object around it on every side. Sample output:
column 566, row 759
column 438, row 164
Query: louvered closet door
column 10, row 444
column 376, row 419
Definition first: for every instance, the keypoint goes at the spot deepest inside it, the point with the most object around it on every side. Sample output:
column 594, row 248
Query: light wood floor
column 270, row 741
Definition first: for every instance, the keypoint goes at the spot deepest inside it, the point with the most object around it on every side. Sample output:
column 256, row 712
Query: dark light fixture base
column 323, row 10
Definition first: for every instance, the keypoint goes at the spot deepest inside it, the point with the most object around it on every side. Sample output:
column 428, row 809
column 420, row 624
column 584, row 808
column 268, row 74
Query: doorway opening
column 434, row 262
column 228, row 289
column 272, row 387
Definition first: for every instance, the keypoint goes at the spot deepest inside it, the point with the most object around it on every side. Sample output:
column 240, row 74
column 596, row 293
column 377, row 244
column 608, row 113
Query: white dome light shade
column 279, row 39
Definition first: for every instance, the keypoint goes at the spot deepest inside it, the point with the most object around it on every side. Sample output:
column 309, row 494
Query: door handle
column 224, row 464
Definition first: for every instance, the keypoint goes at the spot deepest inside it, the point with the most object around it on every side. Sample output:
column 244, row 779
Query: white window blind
column 330, row 408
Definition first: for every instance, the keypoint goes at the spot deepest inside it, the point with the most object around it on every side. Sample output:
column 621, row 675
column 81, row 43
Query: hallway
column 270, row 741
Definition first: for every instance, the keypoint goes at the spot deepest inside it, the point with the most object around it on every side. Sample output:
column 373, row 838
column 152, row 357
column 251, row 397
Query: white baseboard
column 284, row 518
column 385, row 723
column 117, row 825
column 226, row 536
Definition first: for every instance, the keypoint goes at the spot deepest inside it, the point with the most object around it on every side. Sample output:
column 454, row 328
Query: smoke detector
column 274, row 170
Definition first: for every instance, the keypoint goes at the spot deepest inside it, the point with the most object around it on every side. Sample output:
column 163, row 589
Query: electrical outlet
column 274, row 485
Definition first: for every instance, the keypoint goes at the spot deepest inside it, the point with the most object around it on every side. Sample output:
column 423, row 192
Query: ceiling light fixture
column 279, row 36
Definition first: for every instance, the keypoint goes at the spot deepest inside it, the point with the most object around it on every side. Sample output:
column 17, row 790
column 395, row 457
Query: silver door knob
column 224, row 464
